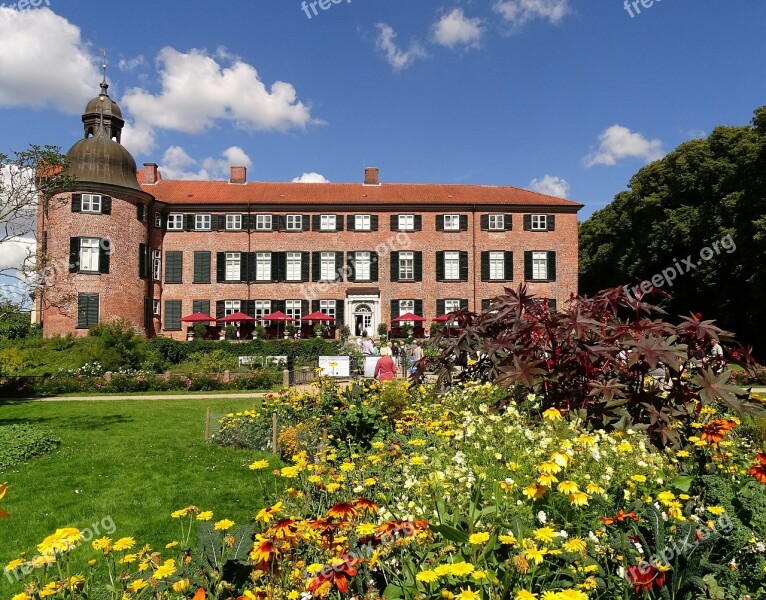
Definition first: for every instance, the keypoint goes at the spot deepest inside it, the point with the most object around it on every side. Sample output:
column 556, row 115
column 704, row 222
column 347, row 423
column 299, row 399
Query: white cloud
column 399, row 59
column 14, row 252
column 311, row 178
column 177, row 164
column 139, row 138
column 44, row 62
column 618, row 142
column 197, row 91
column 694, row 134
column 131, row 64
column 518, row 13
column 455, row 29
column 551, row 185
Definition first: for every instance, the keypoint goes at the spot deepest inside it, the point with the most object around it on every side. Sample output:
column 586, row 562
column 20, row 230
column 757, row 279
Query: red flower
column 714, row 431
column 759, row 470
column 620, row 517
column 644, row 577
column 342, row 510
column 337, row 574
column 366, row 506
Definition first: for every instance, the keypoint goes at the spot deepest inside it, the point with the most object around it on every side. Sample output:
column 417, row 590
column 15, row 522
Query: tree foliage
column 703, row 191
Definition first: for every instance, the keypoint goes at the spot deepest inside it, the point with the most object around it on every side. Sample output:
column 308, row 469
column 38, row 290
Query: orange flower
column 342, row 510
column 715, row 431
column 284, row 528
column 759, row 470
column 366, row 506
column 620, row 517
column 337, row 575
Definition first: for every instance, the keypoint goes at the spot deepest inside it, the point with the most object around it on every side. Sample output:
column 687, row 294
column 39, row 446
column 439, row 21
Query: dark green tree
column 704, row 192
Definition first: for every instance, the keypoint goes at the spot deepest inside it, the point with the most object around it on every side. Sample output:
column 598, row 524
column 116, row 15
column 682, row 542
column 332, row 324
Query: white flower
column 542, row 517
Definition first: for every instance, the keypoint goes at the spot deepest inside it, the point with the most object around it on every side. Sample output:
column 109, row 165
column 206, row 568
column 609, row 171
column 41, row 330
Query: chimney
column 238, row 175
column 371, row 176
column 151, row 174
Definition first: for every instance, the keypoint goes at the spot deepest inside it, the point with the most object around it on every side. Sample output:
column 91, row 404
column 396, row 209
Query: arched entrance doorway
column 363, row 319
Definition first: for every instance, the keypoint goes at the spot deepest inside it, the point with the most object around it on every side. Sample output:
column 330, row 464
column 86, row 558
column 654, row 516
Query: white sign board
column 278, row 361
column 370, row 362
column 335, row 366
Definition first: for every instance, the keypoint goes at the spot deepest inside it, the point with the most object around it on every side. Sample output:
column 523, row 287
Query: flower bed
column 463, row 495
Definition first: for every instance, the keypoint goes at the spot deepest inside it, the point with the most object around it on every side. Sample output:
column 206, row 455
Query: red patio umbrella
column 443, row 318
column 318, row 316
column 237, row 316
column 278, row 316
column 408, row 317
column 197, row 318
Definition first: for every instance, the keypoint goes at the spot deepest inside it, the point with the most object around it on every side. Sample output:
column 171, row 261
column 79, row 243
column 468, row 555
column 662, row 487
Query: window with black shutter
column 440, row 309
column 394, row 266
column 174, row 266
column 189, row 222
column 220, row 266
column 464, row 223
column 440, row 266
column 201, row 306
column 440, row 222
column 484, row 221
column 143, row 261
column 76, row 203
column 463, row 266
column 74, row 255
column 485, row 274
column 418, row 265
column 551, row 266
column 87, row 310
column 508, row 222
column 305, row 266
column 394, row 223
column 374, row 223
column 508, row 265
column 201, row 266
column 374, row 263
column 316, row 266
column 172, row 315
column 220, row 309
column 419, row 308
column 104, row 256
column 394, row 309
column 338, row 266
column 340, row 307
column 106, row 205
column 551, row 222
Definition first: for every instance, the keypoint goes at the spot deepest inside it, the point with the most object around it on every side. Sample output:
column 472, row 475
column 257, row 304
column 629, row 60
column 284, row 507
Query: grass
column 134, row 462
column 163, row 393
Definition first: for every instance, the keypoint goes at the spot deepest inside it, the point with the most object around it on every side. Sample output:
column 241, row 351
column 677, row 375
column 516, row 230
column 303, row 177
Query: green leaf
column 450, row 533
column 393, row 591
column 683, row 482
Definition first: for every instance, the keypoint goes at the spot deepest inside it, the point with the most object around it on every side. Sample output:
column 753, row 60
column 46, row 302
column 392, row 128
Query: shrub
column 217, row 361
column 20, row 443
column 116, row 345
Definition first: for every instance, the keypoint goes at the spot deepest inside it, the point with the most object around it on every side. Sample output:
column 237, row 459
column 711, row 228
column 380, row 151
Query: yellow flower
column 427, row 576
column 547, row 479
column 594, row 488
column 128, row 559
column 575, row 545
column 14, row 564
column 477, row 539
column 167, row 569
column 716, row 510
column 223, row 525
column 467, row 594
column 258, row 465
column 347, row 467
column 638, row 478
column 138, row 585
column 314, row 568
column 184, row 512
column 552, row 414
column 625, row 447
column 461, row 569
column 181, row 586
column 544, row 534
column 290, row 472
column 525, row 595
column 666, row 498
column 568, row 487
column 578, row 499
column 103, row 543
column 125, row 543
column 21, row 596
column 417, row 460
column 534, row 491
column 535, row 554
column 508, row 540
column 683, row 454
column 549, row 466
column 479, row 575
column 171, row 545
column 205, row 516
column 571, row 594
column 364, row 529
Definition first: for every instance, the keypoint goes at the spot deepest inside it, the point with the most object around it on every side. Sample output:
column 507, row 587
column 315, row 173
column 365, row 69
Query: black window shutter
column 440, row 308
column 417, row 259
column 76, row 203
column 248, row 307
column 551, row 222
column 551, row 266
column 374, row 262
column 82, row 311
column 189, row 222
column 508, row 222
column 314, row 306
column 440, row 266
column 220, row 266
column 439, row 222
column 394, row 266
column 147, row 314
column 528, row 265
column 394, row 310
column 278, row 306
column 394, row 222
column 304, row 308
column 484, row 221
column 172, row 315
column 316, row 266
column 351, row 267
column 201, row 306
column 202, row 266
column 485, row 304
column 305, row 266
column 551, row 305
column 279, row 266
column 338, row 275
column 247, row 266
column 508, row 264
column 485, row 266
column 316, row 222
column 418, row 222
column 74, row 255
column 161, row 220
column 373, row 222
column 219, row 223
column 464, row 223
column 106, row 205
column 143, row 263
column 419, row 308
column 220, row 309
column 464, row 266
column 305, row 222
column 340, row 308
column 140, row 212
column 527, row 222
column 463, row 304
column 338, row 222
column 281, row 222
column 248, row 222
column 104, row 254
column 351, row 222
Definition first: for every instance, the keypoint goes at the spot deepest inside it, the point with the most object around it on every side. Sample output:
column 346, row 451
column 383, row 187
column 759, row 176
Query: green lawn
column 134, row 461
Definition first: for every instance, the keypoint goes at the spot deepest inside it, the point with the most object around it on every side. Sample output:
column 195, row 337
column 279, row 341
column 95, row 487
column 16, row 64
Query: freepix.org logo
column 311, row 7
column 27, row 4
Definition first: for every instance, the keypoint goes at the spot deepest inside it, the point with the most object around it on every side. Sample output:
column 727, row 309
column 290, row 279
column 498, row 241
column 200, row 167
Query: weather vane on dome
column 104, row 85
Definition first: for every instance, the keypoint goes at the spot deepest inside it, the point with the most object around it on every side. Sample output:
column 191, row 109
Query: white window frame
column 93, row 202
column 175, row 222
column 263, row 307
column 294, row 223
column 233, row 268
column 406, row 222
column 539, row 223
column 407, row 266
column 452, row 266
column 497, row 222
column 451, row 305
column 328, row 222
column 496, row 266
column 294, row 309
column 156, row 308
column 451, row 222
column 539, row 266
column 293, row 266
column 362, row 266
column 264, row 222
column 158, row 220
column 90, row 253
column 329, row 307
column 202, row 222
column 233, row 222
column 263, row 266
column 327, row 266
column 231, row 306
column 157, row 265
column 362, row 222
column 406, row 306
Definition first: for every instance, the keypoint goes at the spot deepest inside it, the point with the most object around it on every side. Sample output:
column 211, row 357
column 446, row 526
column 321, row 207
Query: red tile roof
column 188, row 192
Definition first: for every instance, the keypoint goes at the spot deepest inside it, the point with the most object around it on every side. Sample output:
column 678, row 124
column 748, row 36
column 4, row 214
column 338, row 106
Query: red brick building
column 152, row 250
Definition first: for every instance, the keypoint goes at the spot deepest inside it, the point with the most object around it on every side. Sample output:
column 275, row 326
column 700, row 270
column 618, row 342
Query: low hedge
column 19, row 443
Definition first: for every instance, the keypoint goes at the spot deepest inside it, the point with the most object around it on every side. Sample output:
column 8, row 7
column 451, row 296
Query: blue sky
column 566, row 96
